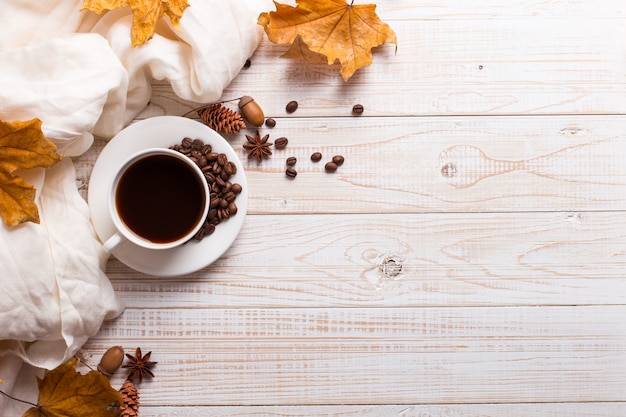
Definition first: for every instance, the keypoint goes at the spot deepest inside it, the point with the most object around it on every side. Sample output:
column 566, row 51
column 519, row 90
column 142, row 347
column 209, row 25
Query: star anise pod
column 139, row 365
column 258, row 146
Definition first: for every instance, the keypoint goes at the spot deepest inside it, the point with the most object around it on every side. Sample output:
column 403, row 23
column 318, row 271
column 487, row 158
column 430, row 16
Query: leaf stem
column 83, row 362
column 210, row 104
column 17, row 399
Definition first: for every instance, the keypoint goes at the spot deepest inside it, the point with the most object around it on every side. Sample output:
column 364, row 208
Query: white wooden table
column 468, row 259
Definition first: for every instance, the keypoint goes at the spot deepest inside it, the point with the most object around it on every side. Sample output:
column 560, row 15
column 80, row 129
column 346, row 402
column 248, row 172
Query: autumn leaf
column 146, row 14
column 22, row 145
column 63, row 392
column 332, row 28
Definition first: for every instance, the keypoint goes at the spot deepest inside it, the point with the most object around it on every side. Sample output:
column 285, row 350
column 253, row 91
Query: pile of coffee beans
column 218, row 171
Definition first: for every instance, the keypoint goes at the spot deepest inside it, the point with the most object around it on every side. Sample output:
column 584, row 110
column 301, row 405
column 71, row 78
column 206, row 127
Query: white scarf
column 79, row 74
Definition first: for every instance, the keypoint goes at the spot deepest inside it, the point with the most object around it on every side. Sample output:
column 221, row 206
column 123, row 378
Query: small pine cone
column 221, row 119
column 129, row 392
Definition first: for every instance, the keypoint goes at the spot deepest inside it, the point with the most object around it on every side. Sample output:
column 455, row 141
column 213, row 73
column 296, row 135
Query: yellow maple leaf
column 333, row 28
column 22, row 145
column 146, row 14
column 63, row 392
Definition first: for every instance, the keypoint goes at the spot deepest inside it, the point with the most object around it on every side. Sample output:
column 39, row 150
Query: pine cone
column 129, row 392
column 221, row 119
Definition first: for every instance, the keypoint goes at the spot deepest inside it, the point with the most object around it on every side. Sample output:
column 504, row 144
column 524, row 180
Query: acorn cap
column 245, row 100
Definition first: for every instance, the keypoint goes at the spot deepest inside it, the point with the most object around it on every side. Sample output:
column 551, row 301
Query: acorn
column 111, row 361
column 251, row 110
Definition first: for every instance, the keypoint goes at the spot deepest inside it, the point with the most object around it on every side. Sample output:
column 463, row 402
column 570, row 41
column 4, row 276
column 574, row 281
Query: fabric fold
column 79, row 74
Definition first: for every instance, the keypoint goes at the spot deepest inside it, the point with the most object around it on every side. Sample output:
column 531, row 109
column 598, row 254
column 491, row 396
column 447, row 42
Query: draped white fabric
column 79, row 74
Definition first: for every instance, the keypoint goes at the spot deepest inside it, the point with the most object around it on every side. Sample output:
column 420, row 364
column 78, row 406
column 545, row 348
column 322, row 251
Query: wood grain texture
column 401, row 261
column 405, row 410
column 433, row 164
column 451, row 67
column 467, row 259
column 429, row 355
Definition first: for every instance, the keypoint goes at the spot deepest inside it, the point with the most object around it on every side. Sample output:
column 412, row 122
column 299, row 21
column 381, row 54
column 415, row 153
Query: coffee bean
column 291, row 106
column 281, row 142
column 223, row 214
column 236, row 188
column 357, row 109
column 270, row 123
column 230, row 196
column 200, row 234
column 338, row 159
column 247, row 64
column 230, row 168
column 209, row 229
column 291, row 161
column 186, row 143
column 291, row 172
column 316, row 157
column 197, row 144
column 330, row 167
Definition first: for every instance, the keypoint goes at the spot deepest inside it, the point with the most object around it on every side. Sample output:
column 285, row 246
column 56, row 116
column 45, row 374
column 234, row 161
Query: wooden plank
column 481, row 9
column 457, row 164
column 385, row 356
column 449, row 67
column 402, row 261
column 432, row 164
column 404, row 410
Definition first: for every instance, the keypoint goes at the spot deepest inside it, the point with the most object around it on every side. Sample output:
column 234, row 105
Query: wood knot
column 391, row 267
column 449, row 170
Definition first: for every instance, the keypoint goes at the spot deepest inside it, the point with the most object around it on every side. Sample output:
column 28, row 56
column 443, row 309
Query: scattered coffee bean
column 269, row 122
column 280, row 143
column 291, row 172
column 338, row 159
column 247, row 64
column 218, row 171
column 291, row 106
column 316, row 156
column 357, row 109
column 291, row 161
column 330, row 167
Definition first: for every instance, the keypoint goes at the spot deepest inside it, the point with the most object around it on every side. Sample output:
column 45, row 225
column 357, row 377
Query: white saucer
column 163, row 131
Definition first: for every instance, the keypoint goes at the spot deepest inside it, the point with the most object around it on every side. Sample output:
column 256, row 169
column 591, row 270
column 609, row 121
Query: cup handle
column 113, row 242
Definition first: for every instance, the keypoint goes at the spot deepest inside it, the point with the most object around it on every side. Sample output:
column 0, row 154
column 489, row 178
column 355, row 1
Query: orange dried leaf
column 22, row 145
column 63, row 392
column 146, row 14
column 333, row 28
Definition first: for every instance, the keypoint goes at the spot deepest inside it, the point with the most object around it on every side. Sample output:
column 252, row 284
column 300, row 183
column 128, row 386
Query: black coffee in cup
column 160, row 198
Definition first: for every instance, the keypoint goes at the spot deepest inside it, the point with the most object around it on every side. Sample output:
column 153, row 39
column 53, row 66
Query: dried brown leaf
column 63, row 392
column 22, row 145
column 333, row 28
column 146, row 14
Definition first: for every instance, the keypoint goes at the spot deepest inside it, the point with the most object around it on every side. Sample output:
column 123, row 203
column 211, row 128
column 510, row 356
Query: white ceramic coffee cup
column 124, row 231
